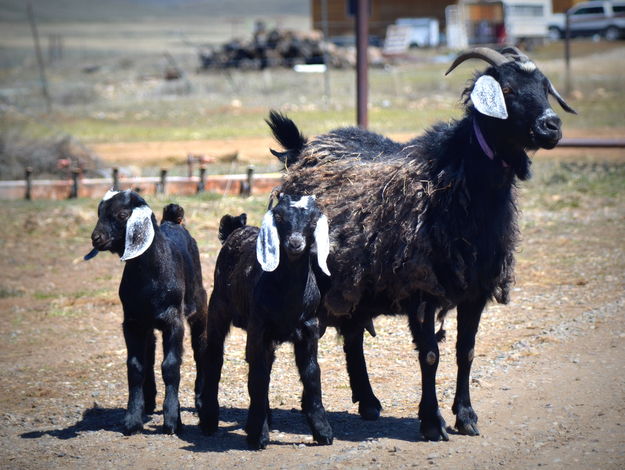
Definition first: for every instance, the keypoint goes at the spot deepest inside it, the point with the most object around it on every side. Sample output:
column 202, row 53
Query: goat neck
column 502, row 152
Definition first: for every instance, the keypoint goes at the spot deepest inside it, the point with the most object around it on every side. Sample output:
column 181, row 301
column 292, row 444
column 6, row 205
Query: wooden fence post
column 73, row 194
column 115, row 179
column 246, row 186
column 161, row 186
column 201, row 186
column 29, row 183
column 190, row 164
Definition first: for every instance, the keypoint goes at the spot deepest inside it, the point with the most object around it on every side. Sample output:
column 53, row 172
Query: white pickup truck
column 606, row 19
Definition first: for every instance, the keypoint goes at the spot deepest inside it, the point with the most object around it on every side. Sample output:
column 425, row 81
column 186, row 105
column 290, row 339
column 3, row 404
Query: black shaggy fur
column 158, row 290
column 422, row 227
column 273, row 307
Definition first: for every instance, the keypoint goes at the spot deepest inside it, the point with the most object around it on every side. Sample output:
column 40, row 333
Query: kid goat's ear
column 139, row 232
column 487, row 97
column 268, row 244
column 322, row 239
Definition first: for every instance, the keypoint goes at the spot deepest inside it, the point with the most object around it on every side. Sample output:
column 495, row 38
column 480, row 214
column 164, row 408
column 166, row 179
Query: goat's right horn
column 489, row 55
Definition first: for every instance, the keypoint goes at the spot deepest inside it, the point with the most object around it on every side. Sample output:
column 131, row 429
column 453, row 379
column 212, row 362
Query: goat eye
column 277, row 218
column 507, row 90
column 123, row 215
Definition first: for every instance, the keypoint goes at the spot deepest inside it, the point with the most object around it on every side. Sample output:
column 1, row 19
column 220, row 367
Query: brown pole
column 161, row 186
column 362, row 45
column 74, row 191
column 115, row 179
column 567, row 54
column 42, row 70
column 201, row 186
column 29, row 183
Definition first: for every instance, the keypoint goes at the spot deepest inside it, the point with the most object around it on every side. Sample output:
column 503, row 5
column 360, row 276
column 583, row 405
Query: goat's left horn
column 489, row 55
column 514, row 52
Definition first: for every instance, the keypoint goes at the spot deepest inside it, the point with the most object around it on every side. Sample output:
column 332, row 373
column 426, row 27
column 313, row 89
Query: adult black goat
column 265, row 284
column 426, row 226
column 161, row 284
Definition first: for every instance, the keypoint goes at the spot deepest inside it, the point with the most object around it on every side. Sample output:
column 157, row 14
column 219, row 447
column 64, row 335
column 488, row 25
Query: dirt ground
column 548, row 381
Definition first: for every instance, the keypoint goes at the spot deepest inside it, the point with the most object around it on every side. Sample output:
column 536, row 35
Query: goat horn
column 556, row 95
column 489, row 55
column 515, row 52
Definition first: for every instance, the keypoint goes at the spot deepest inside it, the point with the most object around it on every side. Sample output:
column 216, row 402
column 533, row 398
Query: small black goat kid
column 427, row 226
column 160, row 286
column 265, row 282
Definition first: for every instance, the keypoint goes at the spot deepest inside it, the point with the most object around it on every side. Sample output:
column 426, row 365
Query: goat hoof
column 172, row 425
column 257, row 443
column 132, row 426
column 466, row 422
column 434, row 429
column 324, row 440
column 369, row 411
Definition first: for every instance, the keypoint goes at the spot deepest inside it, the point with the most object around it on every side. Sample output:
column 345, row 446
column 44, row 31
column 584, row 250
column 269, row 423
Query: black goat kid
column 160, row 286
column 265, row 284
column 427, row 226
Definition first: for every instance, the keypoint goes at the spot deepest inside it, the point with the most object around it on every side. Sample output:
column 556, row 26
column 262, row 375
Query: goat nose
column 551, row 122
column 296, row 243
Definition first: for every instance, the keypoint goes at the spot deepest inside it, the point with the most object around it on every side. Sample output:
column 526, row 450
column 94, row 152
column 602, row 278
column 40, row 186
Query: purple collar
column 482, row 141
column 483, row 144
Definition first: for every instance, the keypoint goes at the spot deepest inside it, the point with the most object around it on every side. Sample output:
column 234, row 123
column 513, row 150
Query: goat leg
column 310, row 374
column 433, row 427
column 259, row 354
column 136, row 338
column 469, row 314
column 149, row 382
column 213, row 360
column 369, row 406
column 173, row 335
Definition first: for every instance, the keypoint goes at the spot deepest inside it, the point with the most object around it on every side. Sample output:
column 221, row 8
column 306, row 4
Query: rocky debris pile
column 280, row 48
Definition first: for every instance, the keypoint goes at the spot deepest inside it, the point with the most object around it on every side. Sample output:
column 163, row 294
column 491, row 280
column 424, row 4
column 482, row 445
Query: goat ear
column 556, row 95
column 322, row 239
column 268, row 244
column 139, row 233
column 488, row 99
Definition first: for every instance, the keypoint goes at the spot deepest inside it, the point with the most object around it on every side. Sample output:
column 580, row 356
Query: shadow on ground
column 347, row 427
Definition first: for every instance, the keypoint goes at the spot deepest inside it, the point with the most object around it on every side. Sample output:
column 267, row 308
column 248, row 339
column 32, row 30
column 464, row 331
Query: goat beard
column 521, row 163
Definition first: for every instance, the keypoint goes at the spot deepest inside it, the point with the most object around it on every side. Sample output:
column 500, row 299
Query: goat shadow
column 230, row 436
column 346, row 426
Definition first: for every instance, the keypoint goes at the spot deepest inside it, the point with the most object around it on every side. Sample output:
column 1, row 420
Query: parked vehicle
column 606, row 19
column 498, row 22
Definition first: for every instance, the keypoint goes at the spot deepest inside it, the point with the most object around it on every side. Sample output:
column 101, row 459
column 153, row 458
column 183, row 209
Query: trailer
column 493, row 22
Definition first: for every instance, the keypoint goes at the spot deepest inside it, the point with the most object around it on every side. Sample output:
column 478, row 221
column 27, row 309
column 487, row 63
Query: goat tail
column 229, row 223
column 288, row 135
column 173, row 213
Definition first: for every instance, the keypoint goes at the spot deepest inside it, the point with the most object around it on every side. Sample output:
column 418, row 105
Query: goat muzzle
column 547, row 131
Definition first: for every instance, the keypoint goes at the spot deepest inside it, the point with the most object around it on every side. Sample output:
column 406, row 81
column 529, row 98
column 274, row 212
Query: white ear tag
column 322, row 239
column 268, row 244
column 488, row 99
column 139, row 233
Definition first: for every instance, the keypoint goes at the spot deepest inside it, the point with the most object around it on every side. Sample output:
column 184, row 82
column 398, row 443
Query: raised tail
column 288, row 135
column 173, row 213
column 229, row 223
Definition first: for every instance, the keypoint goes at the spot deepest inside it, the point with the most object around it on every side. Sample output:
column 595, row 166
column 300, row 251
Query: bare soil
column 548, row 381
